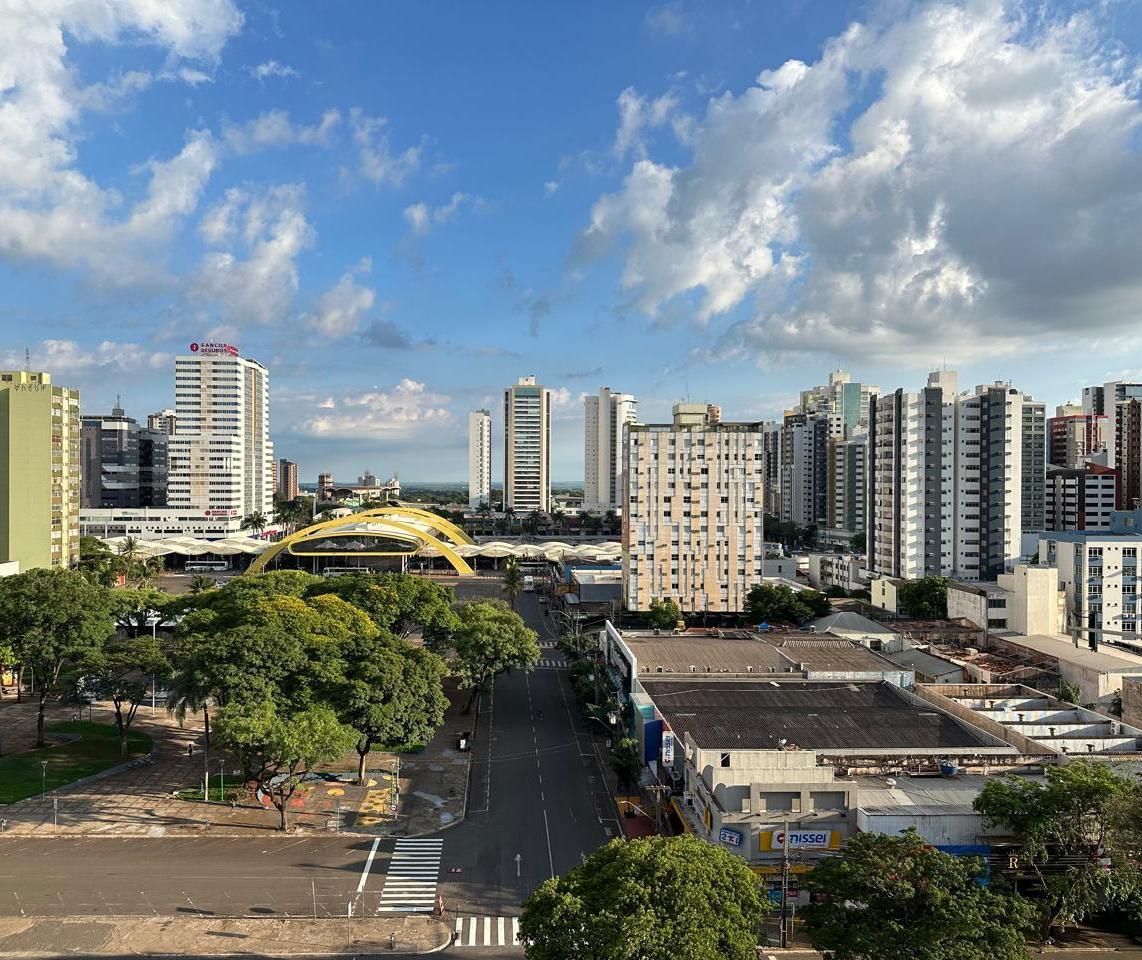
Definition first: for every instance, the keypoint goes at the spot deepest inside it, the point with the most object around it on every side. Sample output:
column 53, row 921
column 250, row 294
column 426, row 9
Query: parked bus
column 207, row 566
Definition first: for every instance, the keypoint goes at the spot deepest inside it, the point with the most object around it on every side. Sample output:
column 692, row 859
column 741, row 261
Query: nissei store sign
column 667, row 748
column 801, row 840
column 214, row 349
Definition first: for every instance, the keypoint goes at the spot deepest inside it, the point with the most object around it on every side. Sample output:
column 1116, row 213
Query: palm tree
column 146, row 571
column 513, row 581
column 509, row 518
column 484, row 510
column 256, row 522
column 200, row 584
column 557, row 519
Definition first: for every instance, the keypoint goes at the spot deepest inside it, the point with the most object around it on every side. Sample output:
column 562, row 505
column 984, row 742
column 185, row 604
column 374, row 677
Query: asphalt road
column 537, row 794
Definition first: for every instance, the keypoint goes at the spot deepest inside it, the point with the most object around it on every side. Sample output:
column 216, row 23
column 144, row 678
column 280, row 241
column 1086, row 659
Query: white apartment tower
column 604, row 417
column 479, row 458
column 527, row 447
column 954, row 479
column 693, row 514
column 221, row 457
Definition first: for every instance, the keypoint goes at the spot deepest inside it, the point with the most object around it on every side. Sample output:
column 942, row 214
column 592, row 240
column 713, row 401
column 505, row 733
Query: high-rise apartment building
column 1082, row 498
column 39, row 471
column 123, row 465
column 287, row 479
column 847, row 486
column 1098, row 569
column 527, row 447
column 772, row 435
column 1127, row 449
column 841, row 401
column 163, row 420
column 479, row 458
column 686, row 413
column 221, row 457
column 692, row 514
column 805, row 470
column 1074, row 436
column 604, row 418
column 954, row 479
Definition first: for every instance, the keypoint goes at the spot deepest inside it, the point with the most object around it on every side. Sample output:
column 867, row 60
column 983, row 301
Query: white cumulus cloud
column 271, row 68
column 275, row 129
column 377, row 161
column 49, row 209
column 422, row 217
column 341, row 309
column 961, row 180
column 255, row 278
column 389, row 412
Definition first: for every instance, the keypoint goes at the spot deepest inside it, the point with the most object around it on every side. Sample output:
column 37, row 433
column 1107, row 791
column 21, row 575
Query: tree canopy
column 766, row 603
column 488, row 639
column 924, row 599
column 1077, row 845
column 53, row 619
column 659, row 898
column 395, row 602
column 120, row 670
column 279, row 745
column 663, row 614
column 897, row 898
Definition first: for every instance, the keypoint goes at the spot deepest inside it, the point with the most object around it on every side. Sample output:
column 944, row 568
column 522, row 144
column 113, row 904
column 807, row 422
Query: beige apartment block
column 692, row 514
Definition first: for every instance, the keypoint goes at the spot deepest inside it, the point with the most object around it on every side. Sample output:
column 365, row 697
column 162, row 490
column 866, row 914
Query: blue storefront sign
column 731, row 837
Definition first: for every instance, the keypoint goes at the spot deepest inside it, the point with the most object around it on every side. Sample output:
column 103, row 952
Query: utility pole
column 784, row 940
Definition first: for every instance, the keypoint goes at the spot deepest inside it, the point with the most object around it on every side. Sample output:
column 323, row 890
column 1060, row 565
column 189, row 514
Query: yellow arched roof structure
column 426, row 531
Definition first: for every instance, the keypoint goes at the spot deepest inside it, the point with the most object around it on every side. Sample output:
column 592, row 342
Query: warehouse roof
column 827, row 717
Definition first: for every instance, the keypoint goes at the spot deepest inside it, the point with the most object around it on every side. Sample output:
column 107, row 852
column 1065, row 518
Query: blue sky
column 402, row 207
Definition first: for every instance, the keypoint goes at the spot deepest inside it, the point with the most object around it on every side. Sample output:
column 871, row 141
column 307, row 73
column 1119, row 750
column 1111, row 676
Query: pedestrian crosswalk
column 550, row 663
column 410, row 883
column 487, row 932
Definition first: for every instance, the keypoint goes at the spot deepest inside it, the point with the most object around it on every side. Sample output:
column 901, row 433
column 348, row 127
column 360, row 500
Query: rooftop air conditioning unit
column 693, row 668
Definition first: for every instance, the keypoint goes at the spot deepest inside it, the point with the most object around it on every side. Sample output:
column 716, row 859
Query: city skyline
column 286, row 181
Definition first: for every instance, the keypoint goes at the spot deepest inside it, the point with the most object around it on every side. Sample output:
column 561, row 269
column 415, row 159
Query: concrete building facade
column 221, row 457
column 479, row 458
column 604, row 418
column 955, row 479
column 1098, row 569
column 287, row 479
column 1074, row 436
column 1082, row 498
column 39, row 471
column 847, row 486
column 527, row 447
column 692, row 514
column 805, row 470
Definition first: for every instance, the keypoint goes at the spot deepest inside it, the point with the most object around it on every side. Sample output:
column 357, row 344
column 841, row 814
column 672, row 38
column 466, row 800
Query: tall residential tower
column 221, row 457
column 39, row 471
column 527, row 447
column 479, row 458
column 604, row 417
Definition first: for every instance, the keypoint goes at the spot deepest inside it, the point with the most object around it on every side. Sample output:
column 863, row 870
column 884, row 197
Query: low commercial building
column 1027, row 599
column 761, row 759
column 927, row 666
column 844, row 570
column 159, row 523
column 860, row 629
column 1132, row 700
column 883, row 593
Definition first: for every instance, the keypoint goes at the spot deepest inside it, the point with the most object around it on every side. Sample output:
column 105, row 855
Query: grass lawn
column 96, row 749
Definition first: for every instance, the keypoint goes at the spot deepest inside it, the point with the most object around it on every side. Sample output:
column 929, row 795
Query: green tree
column 663, row 614
column 924, row 599
column 135, row 609
column 119, row 671
column 1064, row 829
column 766, row 603
column 200, row 583
column 255, row 522
column 396, row 602
column 488, row 639
column 1069, row 692
column 897, row 898
column 97, row 562
column 859, row 542
column 281, row 746
column 53, row 619
column 391, row 695
column 659, row 898
column 626, row 762
column 513, row 581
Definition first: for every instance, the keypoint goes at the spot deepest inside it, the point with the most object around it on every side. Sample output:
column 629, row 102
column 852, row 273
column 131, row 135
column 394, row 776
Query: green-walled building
column 39, row 471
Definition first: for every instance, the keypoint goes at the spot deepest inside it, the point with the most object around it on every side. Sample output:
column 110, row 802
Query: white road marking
column 368, row 865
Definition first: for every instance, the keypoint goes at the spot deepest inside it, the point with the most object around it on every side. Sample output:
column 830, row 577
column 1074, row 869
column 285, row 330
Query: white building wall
column 604, row 417
column 479, row 458
column 221, row 457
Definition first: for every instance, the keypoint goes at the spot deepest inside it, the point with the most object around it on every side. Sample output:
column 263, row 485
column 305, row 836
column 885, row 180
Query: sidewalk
column 141, row 800
column 208, row 936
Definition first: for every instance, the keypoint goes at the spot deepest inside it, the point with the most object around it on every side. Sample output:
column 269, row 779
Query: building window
column 725, row 759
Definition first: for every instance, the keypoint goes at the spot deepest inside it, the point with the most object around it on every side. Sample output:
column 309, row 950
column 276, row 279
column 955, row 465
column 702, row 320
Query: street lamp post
column 221, row 781
column 43, row 780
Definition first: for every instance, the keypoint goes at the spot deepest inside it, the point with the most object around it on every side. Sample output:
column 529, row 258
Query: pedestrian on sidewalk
column 190, row 749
